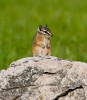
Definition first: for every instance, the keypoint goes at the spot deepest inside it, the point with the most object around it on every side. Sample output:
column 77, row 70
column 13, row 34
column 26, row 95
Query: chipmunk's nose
column 51, row 35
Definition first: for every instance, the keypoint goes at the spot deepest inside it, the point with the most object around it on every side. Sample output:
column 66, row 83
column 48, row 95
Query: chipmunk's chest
column 46, row 43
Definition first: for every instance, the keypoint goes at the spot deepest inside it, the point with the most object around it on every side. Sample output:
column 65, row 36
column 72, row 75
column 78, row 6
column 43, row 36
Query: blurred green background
column 19, row 20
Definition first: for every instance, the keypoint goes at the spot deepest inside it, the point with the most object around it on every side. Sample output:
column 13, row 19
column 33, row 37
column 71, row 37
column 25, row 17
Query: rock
column 44, row 78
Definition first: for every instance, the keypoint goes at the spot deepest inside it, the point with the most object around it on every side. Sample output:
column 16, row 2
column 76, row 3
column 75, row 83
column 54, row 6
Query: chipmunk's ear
column 46, row 26
column 39, row 28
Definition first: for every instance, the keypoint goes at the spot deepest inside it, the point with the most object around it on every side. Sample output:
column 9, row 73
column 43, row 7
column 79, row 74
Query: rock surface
column 44, row 78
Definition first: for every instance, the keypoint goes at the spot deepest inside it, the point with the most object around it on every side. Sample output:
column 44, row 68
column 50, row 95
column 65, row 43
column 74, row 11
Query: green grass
column 19, row 20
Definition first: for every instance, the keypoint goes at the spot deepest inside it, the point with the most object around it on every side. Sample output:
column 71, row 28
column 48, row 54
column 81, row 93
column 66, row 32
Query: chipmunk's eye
column 45, row 31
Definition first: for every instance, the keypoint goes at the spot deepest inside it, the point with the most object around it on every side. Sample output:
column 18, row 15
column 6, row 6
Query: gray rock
column 44, row 78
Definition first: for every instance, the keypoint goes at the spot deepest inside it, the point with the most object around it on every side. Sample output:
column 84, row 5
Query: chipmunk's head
column 44, row 31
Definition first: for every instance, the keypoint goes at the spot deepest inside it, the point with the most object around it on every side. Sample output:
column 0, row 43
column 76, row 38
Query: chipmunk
column 42, row 42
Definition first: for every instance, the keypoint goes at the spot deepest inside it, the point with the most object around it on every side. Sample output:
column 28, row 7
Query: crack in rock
column 66, row 92
column 17, row 97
